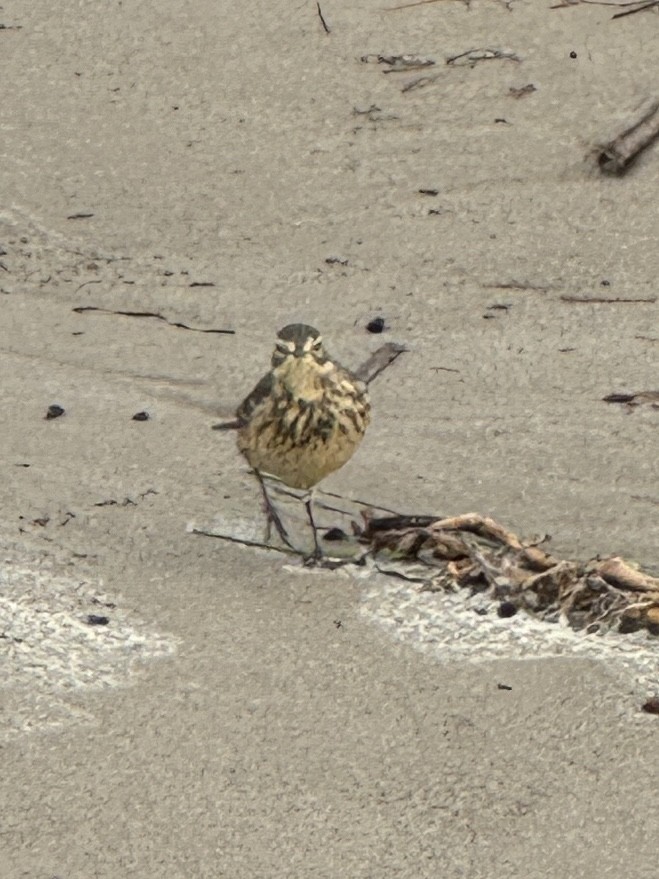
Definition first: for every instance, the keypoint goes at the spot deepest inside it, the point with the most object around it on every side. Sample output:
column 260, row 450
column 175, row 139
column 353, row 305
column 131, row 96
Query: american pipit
column 303, row 420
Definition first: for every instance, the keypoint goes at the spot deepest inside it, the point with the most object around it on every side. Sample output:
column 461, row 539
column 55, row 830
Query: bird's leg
column 317, row 551
column 272, row 515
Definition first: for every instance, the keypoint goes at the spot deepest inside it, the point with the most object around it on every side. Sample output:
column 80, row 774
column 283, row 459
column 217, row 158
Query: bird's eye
column 317, row 345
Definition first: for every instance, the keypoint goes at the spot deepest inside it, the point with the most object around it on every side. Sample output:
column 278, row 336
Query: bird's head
column 298, row 340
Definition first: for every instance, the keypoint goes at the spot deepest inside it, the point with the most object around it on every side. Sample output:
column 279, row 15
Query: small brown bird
column 303, row 420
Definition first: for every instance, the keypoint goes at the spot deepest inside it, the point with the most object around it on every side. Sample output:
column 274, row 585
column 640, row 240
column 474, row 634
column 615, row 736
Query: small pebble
column 335, row 534
column 651, row 706
column 54, row 411
column 376, row 325
column 141, row 416
column 507, row 609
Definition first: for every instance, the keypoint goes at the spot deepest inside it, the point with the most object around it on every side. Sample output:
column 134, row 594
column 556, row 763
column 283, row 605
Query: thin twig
column 599, row 300
column 639, row 9
column 245, row 542
column 365, row 504
column 81, row 309
column 323, row 22
column 410, row 5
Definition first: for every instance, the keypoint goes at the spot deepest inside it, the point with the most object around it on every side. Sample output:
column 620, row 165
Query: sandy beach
column 178, row 182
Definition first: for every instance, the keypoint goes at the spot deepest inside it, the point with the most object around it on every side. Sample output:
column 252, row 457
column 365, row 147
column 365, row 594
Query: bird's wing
column 254, row 400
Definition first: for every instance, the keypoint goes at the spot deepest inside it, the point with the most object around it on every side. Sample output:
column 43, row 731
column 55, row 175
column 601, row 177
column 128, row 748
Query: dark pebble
column 507, row 609
column 141, row 416
column 95, row 620
column 376, row 325
column 335, row 534
column 651, row 706
column 54, row 411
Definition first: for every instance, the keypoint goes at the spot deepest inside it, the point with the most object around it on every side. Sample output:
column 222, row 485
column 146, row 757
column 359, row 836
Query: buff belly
column 302, row 467
column 302, row 439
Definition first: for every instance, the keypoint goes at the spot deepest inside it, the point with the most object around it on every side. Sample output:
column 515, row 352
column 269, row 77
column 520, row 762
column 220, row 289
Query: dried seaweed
column 477, row 553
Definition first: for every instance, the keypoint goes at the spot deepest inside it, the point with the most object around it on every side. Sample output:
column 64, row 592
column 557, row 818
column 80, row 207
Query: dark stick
column 244, row 542
column 599, row 300
column 648, row 5
column 320, row 16
column 616, row 156
column 398, row 523
column 81, row 309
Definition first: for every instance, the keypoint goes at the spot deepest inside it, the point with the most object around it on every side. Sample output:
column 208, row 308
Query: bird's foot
column 315, row 559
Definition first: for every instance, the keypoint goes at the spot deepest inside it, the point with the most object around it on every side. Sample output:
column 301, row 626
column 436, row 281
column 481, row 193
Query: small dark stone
column 376, row 325
column 335, row 534
column 629, row 624
column 503, row 687
column 54, row 411
column 431, row 192
column 573, row 54
column 507, row 609
column 605, row 283
column 141, row 416
column 95, row 620
column 651, row 706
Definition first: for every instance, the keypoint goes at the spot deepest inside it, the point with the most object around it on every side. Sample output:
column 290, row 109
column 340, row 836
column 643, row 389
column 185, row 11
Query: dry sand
column 236, row 717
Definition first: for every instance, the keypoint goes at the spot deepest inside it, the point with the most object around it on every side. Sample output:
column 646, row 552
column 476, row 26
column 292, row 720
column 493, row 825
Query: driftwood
column 477, row 553
column 470, row 552
column 619, row 154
